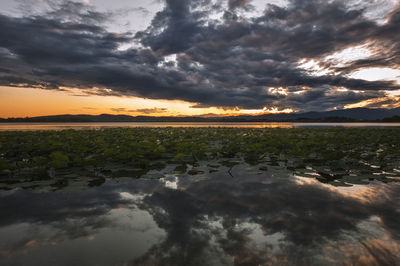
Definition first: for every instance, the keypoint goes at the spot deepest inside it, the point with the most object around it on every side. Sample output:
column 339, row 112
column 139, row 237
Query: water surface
column 200, row 196
column 235, row 215
column 98, row 125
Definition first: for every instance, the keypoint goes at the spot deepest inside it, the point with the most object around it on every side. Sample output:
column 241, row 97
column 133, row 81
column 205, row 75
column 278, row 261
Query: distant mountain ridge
column 355, row 114
column 346, row 115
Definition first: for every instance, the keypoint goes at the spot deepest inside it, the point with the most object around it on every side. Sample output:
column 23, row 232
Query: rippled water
column 242, row 215
column 98, row 125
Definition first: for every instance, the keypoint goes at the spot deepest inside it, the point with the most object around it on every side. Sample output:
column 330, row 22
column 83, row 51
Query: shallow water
column 98, row 125
column 231, row 216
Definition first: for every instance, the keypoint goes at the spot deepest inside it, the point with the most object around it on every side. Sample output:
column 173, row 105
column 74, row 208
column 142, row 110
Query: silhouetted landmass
column 347, row 115
column 395, row 118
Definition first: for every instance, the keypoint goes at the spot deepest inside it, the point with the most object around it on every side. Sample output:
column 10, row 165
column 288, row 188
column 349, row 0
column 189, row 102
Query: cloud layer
column 206, row 52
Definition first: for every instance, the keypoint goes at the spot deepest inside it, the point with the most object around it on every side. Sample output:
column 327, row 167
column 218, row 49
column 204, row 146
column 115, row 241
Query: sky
column 197, row 57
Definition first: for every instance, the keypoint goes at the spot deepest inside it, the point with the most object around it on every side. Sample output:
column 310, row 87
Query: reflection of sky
column 101, row 227
column 99, row 125
column 211, row 219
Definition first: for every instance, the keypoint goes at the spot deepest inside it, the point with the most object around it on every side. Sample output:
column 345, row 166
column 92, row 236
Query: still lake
column 278, row 210
column 246, row 217
column 98, row 125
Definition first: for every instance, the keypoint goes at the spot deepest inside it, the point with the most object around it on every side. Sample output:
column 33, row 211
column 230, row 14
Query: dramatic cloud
column 238, row 3
column 211, row 53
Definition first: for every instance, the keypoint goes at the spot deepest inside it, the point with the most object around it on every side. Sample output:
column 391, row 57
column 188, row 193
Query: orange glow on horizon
column 28, row 102
column 385, row 102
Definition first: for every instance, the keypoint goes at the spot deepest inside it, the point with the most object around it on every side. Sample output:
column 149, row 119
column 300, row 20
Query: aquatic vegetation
column 336, row 156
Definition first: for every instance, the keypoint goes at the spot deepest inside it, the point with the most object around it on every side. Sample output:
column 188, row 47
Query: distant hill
column 361, row 114
column 395, row 118
column 347, row 115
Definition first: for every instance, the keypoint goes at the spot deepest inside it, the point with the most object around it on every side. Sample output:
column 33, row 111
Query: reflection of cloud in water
column 250, row 218
column 133, row 197
column 133, row 233
column 381, row 199
column 273, row 222
column 170, row 181
column 360, row 192
column 56, row 226
column 374, row 247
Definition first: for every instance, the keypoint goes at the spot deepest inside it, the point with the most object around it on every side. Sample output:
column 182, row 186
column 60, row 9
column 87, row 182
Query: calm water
column 98, row 125
column 237, row 216
column 217, row 212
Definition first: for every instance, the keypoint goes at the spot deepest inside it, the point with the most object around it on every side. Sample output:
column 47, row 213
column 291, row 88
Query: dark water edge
column 100, row 125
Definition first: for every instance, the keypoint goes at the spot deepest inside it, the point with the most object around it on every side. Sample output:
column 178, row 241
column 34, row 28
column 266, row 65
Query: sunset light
column 199, row 132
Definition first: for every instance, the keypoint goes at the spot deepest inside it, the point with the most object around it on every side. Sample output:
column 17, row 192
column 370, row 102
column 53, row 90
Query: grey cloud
column 232, row 4
column 226, row 64
column 150, row 110
column 119, row 110
column 174, row 28
column 154, row 110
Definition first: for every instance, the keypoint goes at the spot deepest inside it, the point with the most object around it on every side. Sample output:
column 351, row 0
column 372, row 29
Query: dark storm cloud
column 227, row 63
column 386, row 45
column 331, row 98
column 182, row 27
column 232, row 4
